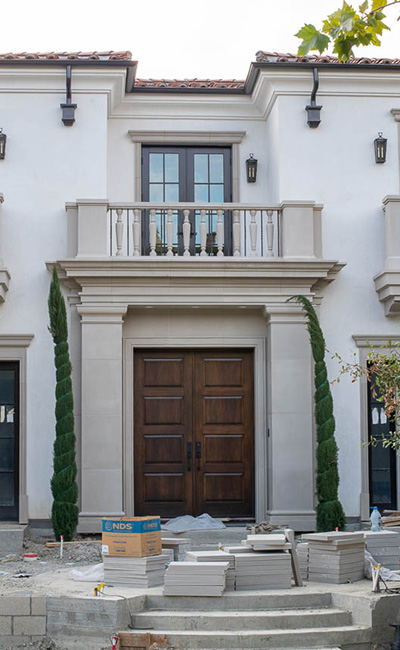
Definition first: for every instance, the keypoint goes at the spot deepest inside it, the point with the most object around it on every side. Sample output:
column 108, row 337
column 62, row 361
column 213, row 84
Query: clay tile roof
column 189, row 83
column 276, row 57
column 68, row 56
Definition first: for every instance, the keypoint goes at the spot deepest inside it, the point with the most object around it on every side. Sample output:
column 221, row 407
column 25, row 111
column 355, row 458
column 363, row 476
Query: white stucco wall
column 48, row 164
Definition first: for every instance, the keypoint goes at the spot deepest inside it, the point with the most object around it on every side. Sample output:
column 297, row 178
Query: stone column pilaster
column 101, row 406
column 290, row 419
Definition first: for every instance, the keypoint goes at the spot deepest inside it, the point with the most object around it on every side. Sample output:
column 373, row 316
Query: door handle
column 189, row 456
column 198, row 454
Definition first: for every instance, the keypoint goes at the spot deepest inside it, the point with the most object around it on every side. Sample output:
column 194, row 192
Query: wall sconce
column 3, row 140
column 380, row 148
column 68, row 108
column 251, row 167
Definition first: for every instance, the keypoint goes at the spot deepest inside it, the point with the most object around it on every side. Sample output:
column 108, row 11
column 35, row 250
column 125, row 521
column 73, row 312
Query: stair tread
column 236, row 633
column 242, row 612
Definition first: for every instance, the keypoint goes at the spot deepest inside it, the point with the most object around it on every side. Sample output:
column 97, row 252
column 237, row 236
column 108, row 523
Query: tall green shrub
column 64, row 513
column 329, row 511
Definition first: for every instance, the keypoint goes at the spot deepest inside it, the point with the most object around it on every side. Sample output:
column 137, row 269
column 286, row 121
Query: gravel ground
column 81, row 553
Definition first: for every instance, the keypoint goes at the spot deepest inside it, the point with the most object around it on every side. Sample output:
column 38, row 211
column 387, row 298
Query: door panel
column 163, row 428
column 223, row 414
column 194, row 441
column 9, row 440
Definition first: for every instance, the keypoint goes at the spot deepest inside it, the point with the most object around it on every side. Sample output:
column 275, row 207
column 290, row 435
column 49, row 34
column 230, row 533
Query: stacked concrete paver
column 336, row 557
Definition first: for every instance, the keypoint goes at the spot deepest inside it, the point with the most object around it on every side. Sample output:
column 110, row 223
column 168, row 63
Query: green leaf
column 312, row 40
column 363, row 8
column 377, row 4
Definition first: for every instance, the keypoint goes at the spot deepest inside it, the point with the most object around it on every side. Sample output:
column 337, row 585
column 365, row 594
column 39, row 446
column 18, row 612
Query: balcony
column 101, row 229
column 195, row 254
column 387, row 283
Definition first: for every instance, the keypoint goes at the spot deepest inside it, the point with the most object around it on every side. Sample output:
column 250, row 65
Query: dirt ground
column 13, row 567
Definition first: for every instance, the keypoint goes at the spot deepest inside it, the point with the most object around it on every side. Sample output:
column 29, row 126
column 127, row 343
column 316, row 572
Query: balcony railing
column 192, row 229
column 97, row 228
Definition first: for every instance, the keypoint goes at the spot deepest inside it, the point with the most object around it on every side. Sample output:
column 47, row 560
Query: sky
column 173, row 38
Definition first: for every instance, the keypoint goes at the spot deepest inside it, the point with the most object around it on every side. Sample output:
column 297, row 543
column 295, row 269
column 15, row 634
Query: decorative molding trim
column 375, row 340
column 13, row 347
column 233, row 138
column 260, row 409
column 187, row 137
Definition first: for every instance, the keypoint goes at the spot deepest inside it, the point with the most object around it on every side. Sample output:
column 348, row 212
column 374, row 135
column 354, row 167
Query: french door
column 193, row 437
column 186, row 174
column 9, row 440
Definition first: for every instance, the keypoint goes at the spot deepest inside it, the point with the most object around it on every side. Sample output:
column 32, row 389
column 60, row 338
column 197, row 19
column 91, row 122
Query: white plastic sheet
column 93, row 573
column 187, row 522
column 386, row 574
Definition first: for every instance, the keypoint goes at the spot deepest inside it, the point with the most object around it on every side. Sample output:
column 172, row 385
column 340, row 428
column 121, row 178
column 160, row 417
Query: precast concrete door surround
column 194, row 432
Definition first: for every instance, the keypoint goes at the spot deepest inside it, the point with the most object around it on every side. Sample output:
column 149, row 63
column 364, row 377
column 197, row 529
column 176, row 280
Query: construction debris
column 336, row 557
column 195, row 578
column 134, row 571
column 384, row 547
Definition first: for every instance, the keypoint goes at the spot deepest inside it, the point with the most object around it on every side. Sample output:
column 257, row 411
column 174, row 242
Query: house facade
column 193, row 376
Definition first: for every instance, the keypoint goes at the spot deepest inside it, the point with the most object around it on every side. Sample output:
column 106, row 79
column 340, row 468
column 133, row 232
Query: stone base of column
column 92, row 523
column 301, row 521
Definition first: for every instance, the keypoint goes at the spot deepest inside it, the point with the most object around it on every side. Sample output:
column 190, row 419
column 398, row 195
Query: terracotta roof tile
column 68, row 56
column 276, row 57
column 189, row 83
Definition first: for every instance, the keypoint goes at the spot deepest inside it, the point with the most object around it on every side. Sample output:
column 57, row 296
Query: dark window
column 9, row 440
column 187, row 174
column 382, row 460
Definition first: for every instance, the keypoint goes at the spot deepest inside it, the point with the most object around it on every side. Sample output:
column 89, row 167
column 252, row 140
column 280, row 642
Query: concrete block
column 29, row 625
column 15, row 605
column 39, row 605
column 11, row 539
column 5, row 625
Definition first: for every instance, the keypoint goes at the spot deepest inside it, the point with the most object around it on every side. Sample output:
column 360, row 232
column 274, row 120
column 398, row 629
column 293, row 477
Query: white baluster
column 220, row 233
column 236, row 233
column 170, row 232
column 186, row 233
column 119, row 231
column 253, row 232
column 203, row 233
column 153, row 232
column 270, row 233
column 137, row 232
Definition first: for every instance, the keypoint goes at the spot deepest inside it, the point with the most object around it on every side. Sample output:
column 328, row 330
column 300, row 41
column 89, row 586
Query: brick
column 15, row 605
column 5, row 625
column 29, row 625
column 39, row 605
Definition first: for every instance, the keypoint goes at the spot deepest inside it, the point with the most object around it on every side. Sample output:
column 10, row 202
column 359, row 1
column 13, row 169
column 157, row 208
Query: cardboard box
column 131, row 536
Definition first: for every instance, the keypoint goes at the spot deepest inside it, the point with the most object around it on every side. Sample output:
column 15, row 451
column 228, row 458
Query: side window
column 382, row 461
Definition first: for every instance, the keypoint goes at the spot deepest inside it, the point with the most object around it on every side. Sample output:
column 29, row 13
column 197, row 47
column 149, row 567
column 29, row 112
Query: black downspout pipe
column 314, row 111
column 68, row 109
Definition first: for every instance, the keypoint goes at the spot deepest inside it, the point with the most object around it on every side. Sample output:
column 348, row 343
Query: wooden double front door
column 194, row 441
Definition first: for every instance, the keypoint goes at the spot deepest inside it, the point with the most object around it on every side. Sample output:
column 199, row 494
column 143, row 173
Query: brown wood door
column 194, row 440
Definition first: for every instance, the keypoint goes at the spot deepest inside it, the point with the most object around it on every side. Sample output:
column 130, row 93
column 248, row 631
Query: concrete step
column 209, row 539
column 240, row 601
column 267, row 639
column 287, row 619
column 11, row 539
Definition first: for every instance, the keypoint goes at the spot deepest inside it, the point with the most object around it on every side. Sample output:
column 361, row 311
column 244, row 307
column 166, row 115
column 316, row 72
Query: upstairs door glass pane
column 208, row 188
column 164, row 188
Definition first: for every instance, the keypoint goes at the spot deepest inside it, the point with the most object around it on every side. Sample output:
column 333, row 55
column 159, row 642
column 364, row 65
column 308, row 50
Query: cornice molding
column 375, row 340
column 194, row 282
column 187, row 137
column 16, row 340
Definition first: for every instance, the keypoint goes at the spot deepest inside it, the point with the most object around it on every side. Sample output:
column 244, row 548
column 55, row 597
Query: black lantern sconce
column 380, row 148
column 3, row 140
column 251, row 167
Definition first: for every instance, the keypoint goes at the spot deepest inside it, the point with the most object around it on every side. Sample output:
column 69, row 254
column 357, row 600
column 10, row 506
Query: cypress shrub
column 329, row 511
column 64, row 512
